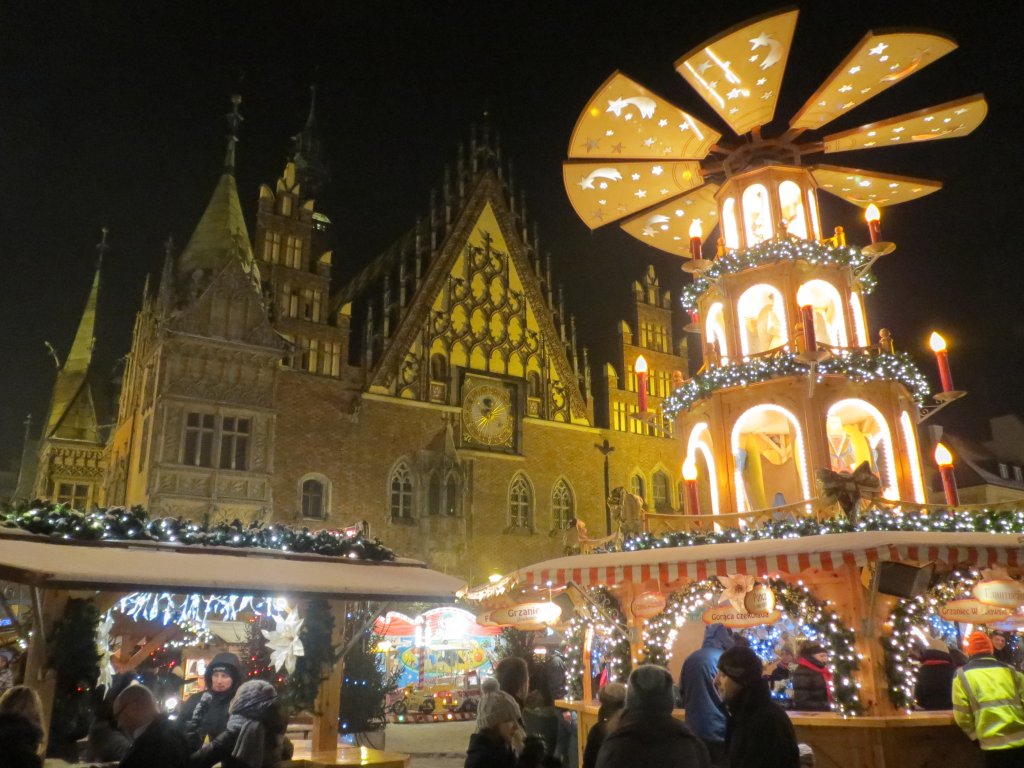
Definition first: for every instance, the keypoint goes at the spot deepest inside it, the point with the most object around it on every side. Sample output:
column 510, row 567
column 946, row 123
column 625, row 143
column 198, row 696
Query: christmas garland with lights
column 907, row 618
column 857, row 366
column 119, row 524
column 611, row 640
column 789, row 527
column 817, row 619
column 771, row 252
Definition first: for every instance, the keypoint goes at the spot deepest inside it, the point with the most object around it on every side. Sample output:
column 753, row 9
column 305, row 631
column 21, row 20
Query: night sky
column 112, row 114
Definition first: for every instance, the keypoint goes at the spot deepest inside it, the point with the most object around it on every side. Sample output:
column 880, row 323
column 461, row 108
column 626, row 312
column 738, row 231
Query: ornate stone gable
column 481, row 307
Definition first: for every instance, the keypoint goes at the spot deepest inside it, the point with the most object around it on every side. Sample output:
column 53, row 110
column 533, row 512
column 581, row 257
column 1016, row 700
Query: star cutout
column 629, row 116
column 609, row 132
column 598, row 214
column 680, row 212
column 855, row 70
column 635, row 177
column 662, row 123
column 648, row 142
column 663, row 191
column 734, row 110
column 657, row 170
column 603, row 202
column 901, row 129
column 767, row 95
column 713, row 84
column 960, row 111
column 845, row 88
column 884, row 58
column 592, row 144
column 762, row 81
column 735, row 93
column 617, row 148
column 929, row 118
column 684, row 126
column 877, row 50
column 641, row 194
column 648, row 232
column 616, row 106
column 759, row 41
column 702, row 68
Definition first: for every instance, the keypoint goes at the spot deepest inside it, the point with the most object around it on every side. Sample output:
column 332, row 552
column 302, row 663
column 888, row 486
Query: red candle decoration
column 696, row 236
column 807, row 319
column 874, row 219
column 690, row 486
column 938, row 345
column 695, row 317
column 641, row 382
column 944, row 459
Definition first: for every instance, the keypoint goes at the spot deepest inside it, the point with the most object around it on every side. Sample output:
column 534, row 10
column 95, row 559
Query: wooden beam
column 167, row 633
column 327, row 710
column 48, row 606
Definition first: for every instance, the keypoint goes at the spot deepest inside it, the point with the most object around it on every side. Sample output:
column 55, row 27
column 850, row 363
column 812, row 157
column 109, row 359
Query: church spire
column 80, row 355
column 307, row 153
column 234, row 119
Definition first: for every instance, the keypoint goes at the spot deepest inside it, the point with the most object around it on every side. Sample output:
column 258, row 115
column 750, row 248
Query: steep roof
column 221, row 235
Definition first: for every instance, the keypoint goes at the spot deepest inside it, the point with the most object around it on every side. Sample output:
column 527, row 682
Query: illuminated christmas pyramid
column 792, row 382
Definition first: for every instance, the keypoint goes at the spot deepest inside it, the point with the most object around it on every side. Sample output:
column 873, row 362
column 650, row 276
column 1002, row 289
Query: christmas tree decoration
column 313, row 666
column 105, row 665
column 284, row 642
column 72, row 653
column 366, row 682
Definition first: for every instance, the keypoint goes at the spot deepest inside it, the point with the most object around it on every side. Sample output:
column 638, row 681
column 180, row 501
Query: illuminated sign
column 734, row 619
column 972, row 611
column 523, row 615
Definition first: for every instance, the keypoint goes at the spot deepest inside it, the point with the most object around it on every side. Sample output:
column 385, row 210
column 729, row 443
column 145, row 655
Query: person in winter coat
column 705, row 712
column 759, row 733
column 155, row 744
column 812, row 690
column 6, row 676
column 934, row 686
column 613, row 699
column 254, row 736
column 499, row 733
column 106, row 744
column 20, row 728
column 205, row 715
column 647, row 734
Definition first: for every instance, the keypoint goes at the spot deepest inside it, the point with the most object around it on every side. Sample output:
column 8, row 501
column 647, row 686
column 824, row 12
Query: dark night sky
column 111, row 114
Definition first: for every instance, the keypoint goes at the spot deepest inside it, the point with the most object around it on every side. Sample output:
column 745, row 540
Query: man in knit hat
column 988, row 704
column 758, row 732
column 647, row 734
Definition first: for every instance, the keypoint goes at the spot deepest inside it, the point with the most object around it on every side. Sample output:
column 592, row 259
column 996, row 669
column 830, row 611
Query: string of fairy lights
column 610, row 643
column 816, row 619
column 856, row 365
column 774, row 251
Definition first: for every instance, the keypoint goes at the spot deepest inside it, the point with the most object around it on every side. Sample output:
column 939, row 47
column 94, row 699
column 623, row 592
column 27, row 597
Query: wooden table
column 914, row 740
column 347, row 755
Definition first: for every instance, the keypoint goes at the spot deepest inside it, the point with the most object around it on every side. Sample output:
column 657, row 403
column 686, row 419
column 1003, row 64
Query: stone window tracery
column 401, row 492
column 562, row 505
column 520, row 504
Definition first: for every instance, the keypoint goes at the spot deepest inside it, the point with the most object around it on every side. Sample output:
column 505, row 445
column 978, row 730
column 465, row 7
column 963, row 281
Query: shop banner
column 734, row 619
column 1003, row 593
column 523, row 615
column 972, row 611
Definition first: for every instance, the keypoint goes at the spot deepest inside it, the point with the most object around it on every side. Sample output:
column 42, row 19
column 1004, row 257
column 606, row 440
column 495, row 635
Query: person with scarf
column 254, row 737
column 934, row 686
column 205, row 715
column 812, row 680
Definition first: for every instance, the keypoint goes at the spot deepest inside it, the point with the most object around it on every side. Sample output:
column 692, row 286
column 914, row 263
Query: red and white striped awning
column 673, row 566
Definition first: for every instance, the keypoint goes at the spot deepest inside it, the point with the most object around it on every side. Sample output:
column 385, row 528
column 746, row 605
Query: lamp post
column 606, row 448
column 944, row 459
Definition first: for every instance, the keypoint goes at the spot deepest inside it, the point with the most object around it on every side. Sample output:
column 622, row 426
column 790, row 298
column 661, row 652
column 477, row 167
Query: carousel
column 805, row 499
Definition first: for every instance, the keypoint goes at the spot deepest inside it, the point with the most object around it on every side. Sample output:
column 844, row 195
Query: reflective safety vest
column 988, row 704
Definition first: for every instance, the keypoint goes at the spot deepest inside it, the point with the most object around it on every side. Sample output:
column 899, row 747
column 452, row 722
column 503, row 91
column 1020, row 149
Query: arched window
column 438, row 367
column 714, row 329
column 533, row 384
column 699, row 448
column 637, row 486
column 791, row 202
column 314, row 498
column 857, row 432
column 563, row 508
column 757, row 215
column 730, row 229
column 451, row 496
column 812, row 204
column 520, row 503
column 860, row 327
column 829, row 323
column 401, row 492
column 762, row 318
column 661, row 492
column 770, row 459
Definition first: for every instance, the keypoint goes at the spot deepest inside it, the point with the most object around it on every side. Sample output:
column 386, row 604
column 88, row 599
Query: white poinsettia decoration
column 106, row 676
column 284, row 643
column 996, row 573
column 735, row 589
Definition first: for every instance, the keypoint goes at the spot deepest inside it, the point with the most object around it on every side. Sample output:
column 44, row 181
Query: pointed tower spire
column 165, row 292
column 311, row 167
column 234, row 119
column 80, row 355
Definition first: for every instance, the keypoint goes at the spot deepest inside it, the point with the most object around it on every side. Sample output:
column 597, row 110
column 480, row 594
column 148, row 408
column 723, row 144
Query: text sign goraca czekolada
column 734, row 619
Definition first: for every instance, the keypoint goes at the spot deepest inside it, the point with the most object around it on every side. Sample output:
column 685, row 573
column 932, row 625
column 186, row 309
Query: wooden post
column 48, row 605
column 324, row 746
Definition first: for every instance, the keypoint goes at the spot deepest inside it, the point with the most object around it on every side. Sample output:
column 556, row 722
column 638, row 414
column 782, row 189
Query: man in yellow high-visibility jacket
column 988, row 704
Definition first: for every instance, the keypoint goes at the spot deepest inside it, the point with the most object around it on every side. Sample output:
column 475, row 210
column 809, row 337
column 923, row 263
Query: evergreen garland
column 71, row 652
column 611, row 640
column 121, row 524
column 256, row 657
column 314, row 666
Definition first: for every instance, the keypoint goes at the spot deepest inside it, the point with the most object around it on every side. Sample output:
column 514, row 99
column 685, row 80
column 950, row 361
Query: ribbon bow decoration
column 848, row 489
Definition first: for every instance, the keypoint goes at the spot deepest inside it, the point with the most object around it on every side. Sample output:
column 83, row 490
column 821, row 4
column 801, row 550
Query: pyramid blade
column 606, row 190
column 945, row 121
column 739, row 72
column 861, row 187
column 667, row 227
column 626, row 121
column 878, row 62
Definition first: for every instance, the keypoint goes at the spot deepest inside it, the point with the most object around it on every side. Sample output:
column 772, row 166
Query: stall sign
column 1003, row 593
column 734, row 619
column 759, row 600
column 972, row 611
column 523, row 615
column 648, row 605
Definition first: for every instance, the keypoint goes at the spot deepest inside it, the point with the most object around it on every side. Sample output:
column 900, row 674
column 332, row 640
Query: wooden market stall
column 56, row 569
column 838, row 569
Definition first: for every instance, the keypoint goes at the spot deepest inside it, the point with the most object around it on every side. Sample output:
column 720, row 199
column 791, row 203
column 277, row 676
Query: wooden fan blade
column 626, row 121
column 945, row 121
column 878, row 62
column 861, row 187
column 604, row 191
column 667, row 226
column 739, row 72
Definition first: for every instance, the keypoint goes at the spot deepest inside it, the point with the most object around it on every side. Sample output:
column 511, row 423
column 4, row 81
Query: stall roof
column 55, row 563
column 675, row 565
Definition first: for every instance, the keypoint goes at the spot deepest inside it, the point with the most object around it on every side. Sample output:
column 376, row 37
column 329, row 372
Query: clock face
column 487, row 415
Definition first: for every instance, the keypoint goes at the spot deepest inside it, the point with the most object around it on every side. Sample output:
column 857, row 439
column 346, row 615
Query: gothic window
column 637, row 486
column 272, row 247
column 293, row 252
column 234, row 443
column 438, row 367
column 198, row 448
column 520, row 503
column 660, row 492
column 451, row 497
column 562, row 506
column 533, row 384
column 75, row 495
column 286, row 205
column 314, row 498
column 401, row 492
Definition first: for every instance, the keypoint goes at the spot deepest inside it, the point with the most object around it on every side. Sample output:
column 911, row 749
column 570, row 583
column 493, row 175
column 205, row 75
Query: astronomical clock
column 490, row 414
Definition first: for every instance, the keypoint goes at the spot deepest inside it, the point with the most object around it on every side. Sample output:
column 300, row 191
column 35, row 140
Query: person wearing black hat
column 205, row 716
column 647, row 734
column 812, row 690
column 933, row 689
column 758, row 733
